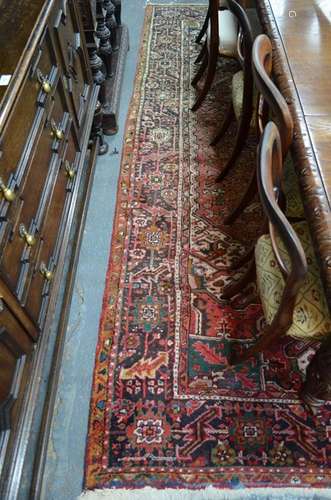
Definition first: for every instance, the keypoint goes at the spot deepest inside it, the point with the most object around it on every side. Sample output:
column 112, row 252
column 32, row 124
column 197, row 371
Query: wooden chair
column 270, row 103
column 222, row 39
column 241, row 106
column 287, row 272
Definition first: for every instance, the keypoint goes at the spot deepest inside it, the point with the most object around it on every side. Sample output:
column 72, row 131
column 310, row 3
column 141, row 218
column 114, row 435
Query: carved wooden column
column 111, row 23
column 88, row 15
column 103, row 33
column 111, row 45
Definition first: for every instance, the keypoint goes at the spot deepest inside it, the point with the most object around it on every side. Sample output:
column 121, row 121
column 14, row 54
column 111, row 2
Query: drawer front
column 69, row 46
column 19, row 132
column 14, row 342
column 52, row 231
column 21, row 227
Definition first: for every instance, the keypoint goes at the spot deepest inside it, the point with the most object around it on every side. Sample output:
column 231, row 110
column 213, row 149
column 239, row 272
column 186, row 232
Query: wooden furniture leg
column 244, row 202
column 269, row 335
column 317, row 388
column 204, row 28
column 201, row 70
column 236, row 287
column 211, row 70
column 229, row 117
column 248, row 255
column 202, row 53
column 240, row 141
column 103, row 33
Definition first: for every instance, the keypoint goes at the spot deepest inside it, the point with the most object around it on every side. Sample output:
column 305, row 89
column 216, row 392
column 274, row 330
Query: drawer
column 14, row 342
column 19, row 131
column 20, row 227
column 52, row 232
column 69, row 45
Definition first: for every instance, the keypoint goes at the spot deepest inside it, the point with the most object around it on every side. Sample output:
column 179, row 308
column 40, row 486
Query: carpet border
column 210, row 493
column 119, row 196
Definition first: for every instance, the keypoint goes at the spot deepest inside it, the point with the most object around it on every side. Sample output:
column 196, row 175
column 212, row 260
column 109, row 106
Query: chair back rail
column 269, row 178
column 270, row 96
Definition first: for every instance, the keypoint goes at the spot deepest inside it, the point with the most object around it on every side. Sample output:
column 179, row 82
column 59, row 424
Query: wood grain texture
column 301, row 36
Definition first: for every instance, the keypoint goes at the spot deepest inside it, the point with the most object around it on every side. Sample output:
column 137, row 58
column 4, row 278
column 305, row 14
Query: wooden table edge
column 315, row 197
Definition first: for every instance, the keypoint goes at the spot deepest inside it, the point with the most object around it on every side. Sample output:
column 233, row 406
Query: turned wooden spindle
column 96, row 65
column 103, row 33
column 111, row 23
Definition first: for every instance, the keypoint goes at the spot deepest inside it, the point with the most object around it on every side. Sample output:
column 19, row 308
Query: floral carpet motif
column 166, row 408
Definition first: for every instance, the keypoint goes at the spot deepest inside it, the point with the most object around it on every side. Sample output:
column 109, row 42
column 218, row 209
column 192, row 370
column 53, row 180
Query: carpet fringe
column 209, row 493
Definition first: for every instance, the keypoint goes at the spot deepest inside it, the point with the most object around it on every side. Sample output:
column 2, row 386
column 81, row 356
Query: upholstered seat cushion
column 311, row 318
column 294, row 206
column 228, row 33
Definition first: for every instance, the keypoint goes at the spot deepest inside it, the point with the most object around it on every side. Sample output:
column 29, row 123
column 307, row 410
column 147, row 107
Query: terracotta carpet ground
column 166, row 408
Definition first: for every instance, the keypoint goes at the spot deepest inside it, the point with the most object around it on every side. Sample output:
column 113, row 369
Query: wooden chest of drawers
column 47, row 103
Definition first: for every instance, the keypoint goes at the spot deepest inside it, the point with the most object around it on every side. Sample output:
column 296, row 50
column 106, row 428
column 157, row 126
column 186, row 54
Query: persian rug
column 167, row 411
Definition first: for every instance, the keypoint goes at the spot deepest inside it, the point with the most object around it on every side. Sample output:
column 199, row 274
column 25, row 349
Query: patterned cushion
column 311, row 317
column 294, row 206
column 238, row 94
column 228, row 33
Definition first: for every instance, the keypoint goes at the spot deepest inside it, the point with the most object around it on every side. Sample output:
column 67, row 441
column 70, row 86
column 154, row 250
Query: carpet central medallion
column 166, row 408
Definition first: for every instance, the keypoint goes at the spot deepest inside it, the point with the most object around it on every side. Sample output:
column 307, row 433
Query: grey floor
column 63, row 478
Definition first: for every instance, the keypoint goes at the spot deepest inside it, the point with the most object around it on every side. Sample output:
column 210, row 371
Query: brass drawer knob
column 30, row 240
column 70, row 171
column 56, row 131
column 7, row 193
column 45, row 84
column 46, row 273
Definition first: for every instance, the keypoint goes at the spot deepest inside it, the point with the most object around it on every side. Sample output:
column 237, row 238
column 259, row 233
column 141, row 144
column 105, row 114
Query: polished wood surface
column 301, row 35
column 46, row 116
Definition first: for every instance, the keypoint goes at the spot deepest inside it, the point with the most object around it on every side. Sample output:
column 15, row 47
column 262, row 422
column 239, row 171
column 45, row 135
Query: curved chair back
column 269, row 178
column 270, row 96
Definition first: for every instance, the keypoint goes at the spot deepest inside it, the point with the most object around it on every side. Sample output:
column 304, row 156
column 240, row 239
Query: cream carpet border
column 209, row 493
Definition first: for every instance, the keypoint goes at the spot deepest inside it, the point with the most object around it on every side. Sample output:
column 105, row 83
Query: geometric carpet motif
column 166, row 408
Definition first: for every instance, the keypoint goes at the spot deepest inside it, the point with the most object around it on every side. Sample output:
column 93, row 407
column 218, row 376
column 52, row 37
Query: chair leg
column 317, row 388
column 212, row 60
column 225, row 125
column 240, row 141
column 236, row 287
column 244, row 202
column 201, row 54
column 201, row 70
column 252, row 298
column 204, row 28
column 248, row 255
column 269, row 335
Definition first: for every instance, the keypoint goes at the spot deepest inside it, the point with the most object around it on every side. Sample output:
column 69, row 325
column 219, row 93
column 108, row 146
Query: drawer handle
column 30, row 240
column 46, row 273
column 56, row 130
column 7, row 193
column 70, row 171
column 45, row 84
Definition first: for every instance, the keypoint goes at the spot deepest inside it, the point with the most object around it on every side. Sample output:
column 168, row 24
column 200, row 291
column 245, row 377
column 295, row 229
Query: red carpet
column 166, row 408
